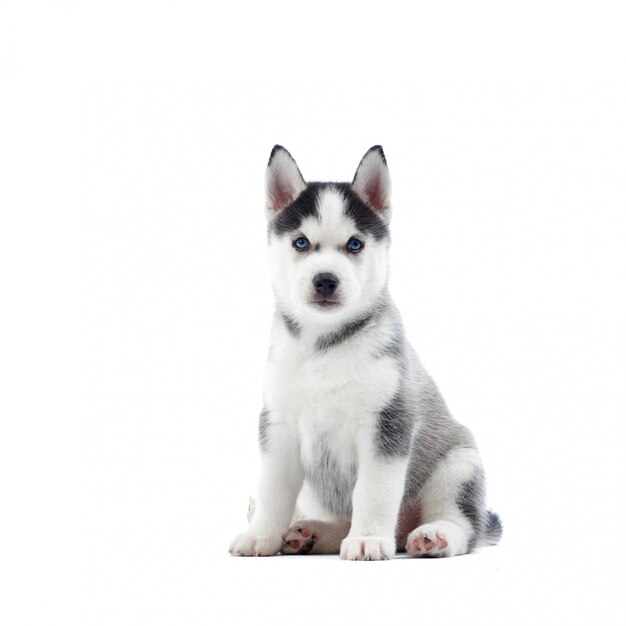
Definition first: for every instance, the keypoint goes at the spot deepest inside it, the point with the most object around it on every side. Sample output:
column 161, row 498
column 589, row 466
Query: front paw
column 367, row 548
column 252, row 544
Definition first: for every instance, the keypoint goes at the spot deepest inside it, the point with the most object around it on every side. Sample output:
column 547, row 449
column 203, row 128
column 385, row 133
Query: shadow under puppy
column 353, row 430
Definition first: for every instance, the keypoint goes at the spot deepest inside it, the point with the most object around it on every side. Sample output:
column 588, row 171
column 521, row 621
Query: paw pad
column 298, row 540
column 427, row 543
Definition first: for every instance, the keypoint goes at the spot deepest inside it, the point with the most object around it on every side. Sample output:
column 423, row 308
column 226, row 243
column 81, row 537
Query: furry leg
column 452, row 507
column 375, row 505
column 315, row 537
column 280, row 482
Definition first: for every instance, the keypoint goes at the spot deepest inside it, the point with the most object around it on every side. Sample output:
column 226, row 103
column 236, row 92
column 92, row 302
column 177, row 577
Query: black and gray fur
column 415, row 424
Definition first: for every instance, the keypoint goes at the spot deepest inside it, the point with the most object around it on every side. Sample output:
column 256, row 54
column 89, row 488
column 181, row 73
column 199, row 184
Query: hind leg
column 452, row 507
column 314, row 529
column 315, row 537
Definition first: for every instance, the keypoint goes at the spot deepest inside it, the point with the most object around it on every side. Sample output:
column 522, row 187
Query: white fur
column 360, row 277
column 373, row 184
column 311, row 393
column 279, row 485
column 283, row 182
column 376, row 500
column 441, row 514
column 336, row 396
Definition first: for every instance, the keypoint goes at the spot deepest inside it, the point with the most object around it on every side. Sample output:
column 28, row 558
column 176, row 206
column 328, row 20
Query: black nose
column 325, row 284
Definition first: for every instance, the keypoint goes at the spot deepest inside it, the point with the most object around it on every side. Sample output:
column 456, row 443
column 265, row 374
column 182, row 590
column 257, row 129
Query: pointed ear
column 372, row 182
column 283, row 181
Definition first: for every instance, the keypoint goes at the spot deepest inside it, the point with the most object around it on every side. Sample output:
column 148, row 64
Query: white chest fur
column 327, row 395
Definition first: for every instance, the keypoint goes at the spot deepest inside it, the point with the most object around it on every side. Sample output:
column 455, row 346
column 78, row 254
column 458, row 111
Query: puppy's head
column 328, row 241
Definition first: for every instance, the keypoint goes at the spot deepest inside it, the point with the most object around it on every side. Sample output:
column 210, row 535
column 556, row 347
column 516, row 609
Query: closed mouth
column 325, row 303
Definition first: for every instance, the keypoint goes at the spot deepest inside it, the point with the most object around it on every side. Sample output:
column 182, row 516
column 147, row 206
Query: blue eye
column 354, row 245
column 301, row 244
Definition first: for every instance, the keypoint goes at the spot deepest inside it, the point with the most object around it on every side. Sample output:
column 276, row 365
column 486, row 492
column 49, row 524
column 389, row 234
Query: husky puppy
column 353, row 432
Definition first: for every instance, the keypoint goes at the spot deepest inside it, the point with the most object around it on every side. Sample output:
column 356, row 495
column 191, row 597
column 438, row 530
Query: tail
column 493, row 529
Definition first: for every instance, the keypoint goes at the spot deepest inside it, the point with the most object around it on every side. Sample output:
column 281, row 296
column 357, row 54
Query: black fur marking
column 276, row 149
column 493, row 528
column 291, row 217
column 263, row 428
column 394, row 428
column 471, row 502
column 377, row 148
column 366, row 219
column 331, row 483
column 292, row 326
column 330, row 340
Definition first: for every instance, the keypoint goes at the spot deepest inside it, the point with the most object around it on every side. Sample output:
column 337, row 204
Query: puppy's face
column 328, row 241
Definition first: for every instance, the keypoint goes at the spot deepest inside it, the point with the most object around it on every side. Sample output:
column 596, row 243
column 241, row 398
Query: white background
column 136, row 302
